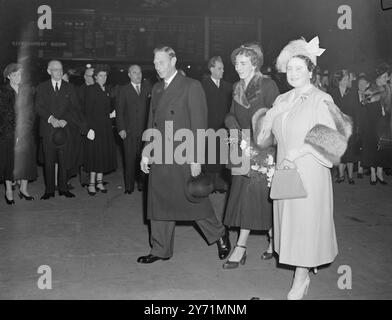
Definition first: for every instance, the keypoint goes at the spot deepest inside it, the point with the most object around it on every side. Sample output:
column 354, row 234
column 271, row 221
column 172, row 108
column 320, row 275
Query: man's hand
column 195, row 169
column 91, row 134
column 144, row 165
column 62, row 123
column 123, row 134
column 54, row 122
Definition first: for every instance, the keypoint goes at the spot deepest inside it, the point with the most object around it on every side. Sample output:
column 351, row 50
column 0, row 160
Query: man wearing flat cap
column 55, row 103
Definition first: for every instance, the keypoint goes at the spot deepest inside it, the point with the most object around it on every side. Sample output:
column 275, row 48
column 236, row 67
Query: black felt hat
column 59, row 137
column 198, row 188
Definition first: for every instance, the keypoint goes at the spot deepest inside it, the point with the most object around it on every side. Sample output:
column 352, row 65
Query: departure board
column 91, row 35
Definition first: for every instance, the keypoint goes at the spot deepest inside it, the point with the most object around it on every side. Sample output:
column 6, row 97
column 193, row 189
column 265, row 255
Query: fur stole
column 328, row 142
column 247, row 97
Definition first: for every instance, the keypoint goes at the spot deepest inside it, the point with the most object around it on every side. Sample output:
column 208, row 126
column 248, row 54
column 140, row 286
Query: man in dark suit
column 131, row 117
column 55, row 103
column 219, row 95
column 177, row 103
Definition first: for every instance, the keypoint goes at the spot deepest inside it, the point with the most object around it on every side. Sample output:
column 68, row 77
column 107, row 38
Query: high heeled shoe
column 300, row 292
column 9, row 202
column 234, row 264
column 91, row 193
column 100, row 187
column 339, row 180
column 268, row 255
column 23, row 196
column 381, row 181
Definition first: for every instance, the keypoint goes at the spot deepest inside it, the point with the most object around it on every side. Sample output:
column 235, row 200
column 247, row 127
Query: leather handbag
column 287, row 184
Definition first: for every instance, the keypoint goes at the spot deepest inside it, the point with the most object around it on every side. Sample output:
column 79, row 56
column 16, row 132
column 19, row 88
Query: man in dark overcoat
column 177, row 102
column 55, row 103
column 131, row 118
column 219, row 95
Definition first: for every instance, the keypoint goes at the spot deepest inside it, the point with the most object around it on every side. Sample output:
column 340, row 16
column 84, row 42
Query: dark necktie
column 138, row 89
column 56, row 89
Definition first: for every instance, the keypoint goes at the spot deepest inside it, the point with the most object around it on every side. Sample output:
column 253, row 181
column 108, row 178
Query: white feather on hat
column 310, row 49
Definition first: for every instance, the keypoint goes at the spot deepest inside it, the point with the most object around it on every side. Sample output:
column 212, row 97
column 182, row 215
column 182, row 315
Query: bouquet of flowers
column 262, row 164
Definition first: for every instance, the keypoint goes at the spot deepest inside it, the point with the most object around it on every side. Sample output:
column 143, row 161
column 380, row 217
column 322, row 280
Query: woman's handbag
column 287, row 184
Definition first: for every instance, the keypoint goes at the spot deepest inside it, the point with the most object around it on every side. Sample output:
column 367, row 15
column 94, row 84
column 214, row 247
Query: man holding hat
column 180, row 102
column 55, row 103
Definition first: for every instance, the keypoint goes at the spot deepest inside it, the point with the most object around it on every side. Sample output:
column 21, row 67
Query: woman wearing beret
column 304, row 122
column 100, row 149
column 17, row 145
column 248, row 207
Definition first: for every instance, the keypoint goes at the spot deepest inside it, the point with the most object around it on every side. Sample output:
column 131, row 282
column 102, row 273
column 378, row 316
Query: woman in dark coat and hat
column 100, row 148
column 17, row 146
column 375, row 121
column 249, row 206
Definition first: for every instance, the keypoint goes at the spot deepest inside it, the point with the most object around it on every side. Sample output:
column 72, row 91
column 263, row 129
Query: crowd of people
column 76, row 136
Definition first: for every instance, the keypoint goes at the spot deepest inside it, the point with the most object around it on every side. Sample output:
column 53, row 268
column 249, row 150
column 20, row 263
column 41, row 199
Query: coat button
column 171, row 112
column 155, row 124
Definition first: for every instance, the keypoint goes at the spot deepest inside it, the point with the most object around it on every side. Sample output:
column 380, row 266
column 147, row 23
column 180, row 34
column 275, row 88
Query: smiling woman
column 244, row 210
column 301, row 121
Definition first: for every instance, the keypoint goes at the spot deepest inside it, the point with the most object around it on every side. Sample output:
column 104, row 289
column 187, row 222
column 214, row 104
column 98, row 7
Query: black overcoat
column 183, row 103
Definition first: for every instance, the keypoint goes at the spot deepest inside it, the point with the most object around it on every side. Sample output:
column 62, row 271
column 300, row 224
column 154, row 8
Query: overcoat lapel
column 170, row 92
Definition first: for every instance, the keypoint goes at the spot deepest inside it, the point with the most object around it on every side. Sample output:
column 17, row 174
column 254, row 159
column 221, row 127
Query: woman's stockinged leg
column 239, row 249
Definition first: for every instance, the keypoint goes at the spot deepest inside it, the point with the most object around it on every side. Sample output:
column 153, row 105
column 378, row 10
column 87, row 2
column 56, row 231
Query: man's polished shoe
column 140, row 187
column 47, row 195
column 128, row 191
column 150, row 259
column 66, row 194
column 224, row 246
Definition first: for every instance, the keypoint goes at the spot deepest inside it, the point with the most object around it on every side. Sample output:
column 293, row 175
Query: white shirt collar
column 54, row 83
column 137, row 84
column 216, row 81
column 170, row 79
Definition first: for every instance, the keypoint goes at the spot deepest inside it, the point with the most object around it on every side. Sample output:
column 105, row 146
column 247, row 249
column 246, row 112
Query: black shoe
column 23, row 196
column 235, row 264
column 140, row 187
column 381, row 181
column 47, row 195
column 84, row 184
column 66, row 194
column 100, row 188
column 150, row 259
column 9, row 202
column 128, row 191
column 340, row 179
column 267, row 255
column 351, row 181
column 224, row 246
column 373, row 183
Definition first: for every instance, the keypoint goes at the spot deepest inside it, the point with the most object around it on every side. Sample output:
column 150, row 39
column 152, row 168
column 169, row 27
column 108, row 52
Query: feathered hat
column 309, row 49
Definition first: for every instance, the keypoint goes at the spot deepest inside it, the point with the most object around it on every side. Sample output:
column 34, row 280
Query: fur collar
column 246, row 97
column 328, row 142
